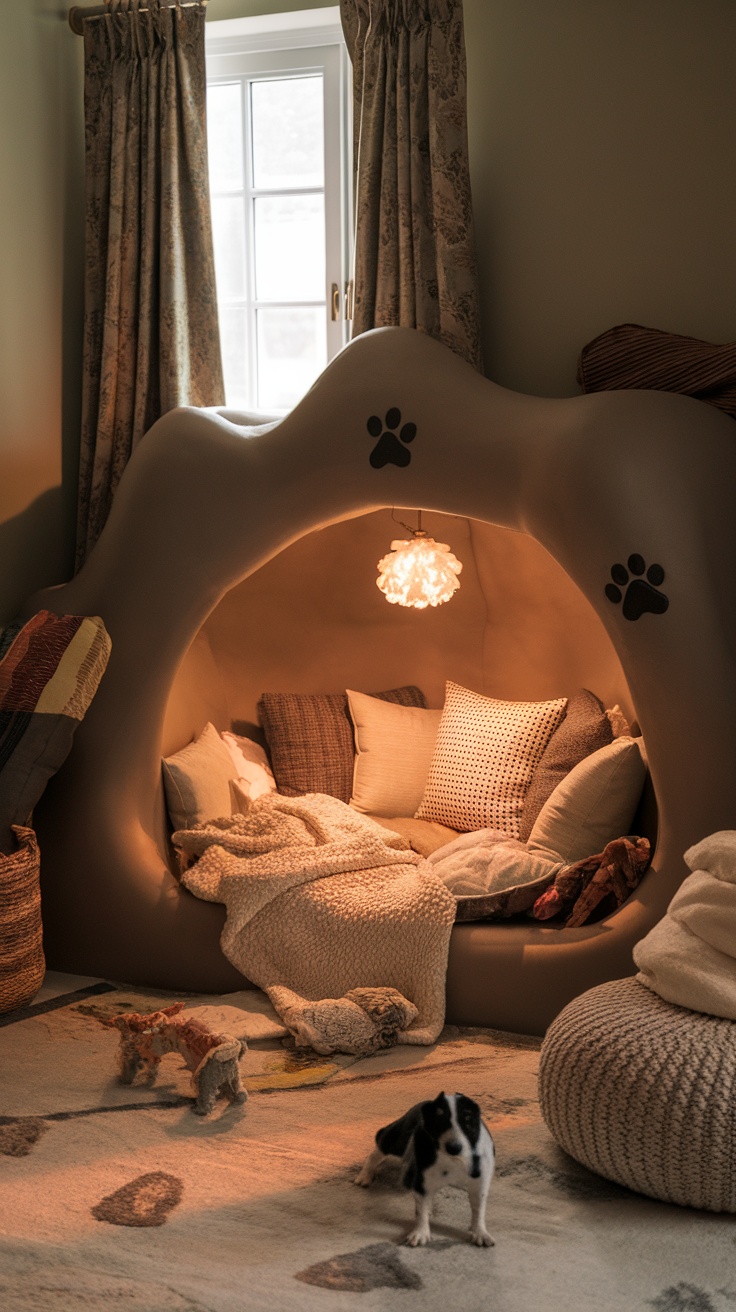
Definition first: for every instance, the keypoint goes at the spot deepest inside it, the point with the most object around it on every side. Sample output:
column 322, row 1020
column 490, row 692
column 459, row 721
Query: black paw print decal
column 642, row 595
column 388, row 449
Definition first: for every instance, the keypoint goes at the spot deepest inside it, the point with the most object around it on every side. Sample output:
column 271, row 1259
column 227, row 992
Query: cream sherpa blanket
column 321, row 900
column 689, row 958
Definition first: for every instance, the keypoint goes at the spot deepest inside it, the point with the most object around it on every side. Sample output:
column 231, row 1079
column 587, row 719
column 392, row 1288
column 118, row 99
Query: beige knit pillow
column 394, row 747
column 485, row 756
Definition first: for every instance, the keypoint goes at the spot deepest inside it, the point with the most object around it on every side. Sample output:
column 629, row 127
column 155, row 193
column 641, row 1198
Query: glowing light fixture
column 418, row 571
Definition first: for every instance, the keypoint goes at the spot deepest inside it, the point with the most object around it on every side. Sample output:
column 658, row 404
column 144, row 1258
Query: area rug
column 115, row 1196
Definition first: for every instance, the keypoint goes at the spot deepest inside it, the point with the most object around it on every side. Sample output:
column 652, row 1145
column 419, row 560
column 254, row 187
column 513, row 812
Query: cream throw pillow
column 254, row 774
column 394, row 747
column 197, row 780
column 592, row 805
column 486, row 753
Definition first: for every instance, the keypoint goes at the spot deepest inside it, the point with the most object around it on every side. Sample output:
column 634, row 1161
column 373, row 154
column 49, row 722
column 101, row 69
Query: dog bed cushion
column 494, row 873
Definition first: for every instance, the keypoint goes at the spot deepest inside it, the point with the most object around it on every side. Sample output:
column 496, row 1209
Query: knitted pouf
column 21, row 948
column 644, row 1093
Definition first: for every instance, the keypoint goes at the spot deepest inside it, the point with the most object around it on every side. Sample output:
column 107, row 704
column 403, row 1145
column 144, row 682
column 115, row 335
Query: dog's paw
column 418, row 1238
column 363, row 1178
column 481, row 1237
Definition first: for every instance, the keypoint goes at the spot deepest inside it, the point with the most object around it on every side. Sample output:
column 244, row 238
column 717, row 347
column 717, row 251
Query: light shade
column 419, row 572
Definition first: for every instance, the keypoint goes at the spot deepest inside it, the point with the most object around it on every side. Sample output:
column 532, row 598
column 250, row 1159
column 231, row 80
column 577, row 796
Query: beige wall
column 41, row 164
column 604, row 175
column 604, row 181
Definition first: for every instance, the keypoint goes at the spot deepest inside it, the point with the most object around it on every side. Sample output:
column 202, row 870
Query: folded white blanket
column 689, row 958
column 321, row 900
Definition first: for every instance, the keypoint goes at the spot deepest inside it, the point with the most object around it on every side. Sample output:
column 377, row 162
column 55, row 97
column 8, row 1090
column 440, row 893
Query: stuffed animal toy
column 212, row 1058
column 363, row 1021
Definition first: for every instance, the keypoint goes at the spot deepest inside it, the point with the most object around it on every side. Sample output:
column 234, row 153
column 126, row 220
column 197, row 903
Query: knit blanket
column 689, row 958
column 321, row 900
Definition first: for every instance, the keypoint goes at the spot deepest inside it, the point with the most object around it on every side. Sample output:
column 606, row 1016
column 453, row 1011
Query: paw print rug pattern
column 641, row 594
column 390, row 449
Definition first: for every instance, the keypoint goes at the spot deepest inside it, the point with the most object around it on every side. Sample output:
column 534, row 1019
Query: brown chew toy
column 212, row 1058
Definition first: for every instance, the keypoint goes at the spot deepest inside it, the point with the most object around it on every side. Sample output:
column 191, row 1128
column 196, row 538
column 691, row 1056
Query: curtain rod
column 77, row 13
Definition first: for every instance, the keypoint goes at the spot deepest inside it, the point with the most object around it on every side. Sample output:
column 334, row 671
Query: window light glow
column 419, row 572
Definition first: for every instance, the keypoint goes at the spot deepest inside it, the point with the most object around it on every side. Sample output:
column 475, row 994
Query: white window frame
column 303, row 42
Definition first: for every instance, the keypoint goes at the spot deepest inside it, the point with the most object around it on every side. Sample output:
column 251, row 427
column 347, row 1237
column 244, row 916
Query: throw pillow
column 394, row 746
column 50, row 669
column 585, row 728
column 252, row 770
column 594, row 804
column 486, row 753
column 197, row 780
column 310, row 739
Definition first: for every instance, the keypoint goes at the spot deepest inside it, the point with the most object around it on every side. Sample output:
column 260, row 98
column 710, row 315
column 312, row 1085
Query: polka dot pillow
column 486, row 753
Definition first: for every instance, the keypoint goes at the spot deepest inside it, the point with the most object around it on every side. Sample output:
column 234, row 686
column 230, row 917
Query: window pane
column 228, row 233
column 288, row 132
column 234, row 345
column 225, row 136
column 292, row 351
column 290, row 248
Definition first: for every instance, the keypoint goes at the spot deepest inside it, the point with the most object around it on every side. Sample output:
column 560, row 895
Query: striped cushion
column 630, row 355
column 310, row 738
column 485, row 756
column 50, row 668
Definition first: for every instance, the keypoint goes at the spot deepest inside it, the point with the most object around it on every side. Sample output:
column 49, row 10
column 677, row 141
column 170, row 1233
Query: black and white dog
column 441, row 1142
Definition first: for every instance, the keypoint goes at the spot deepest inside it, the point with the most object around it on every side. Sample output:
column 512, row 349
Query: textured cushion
column 253, row 772
column 50, row 669
column 486, row 753
column 492, row 877
column 594, row 804
column 394, row 747
column 310, row 739
column 585, row 728
column 197, row 780
column 643, row 1092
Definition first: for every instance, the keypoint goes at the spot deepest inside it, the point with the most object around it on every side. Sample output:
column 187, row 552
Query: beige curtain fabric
column 151, row 338
column 414, row 249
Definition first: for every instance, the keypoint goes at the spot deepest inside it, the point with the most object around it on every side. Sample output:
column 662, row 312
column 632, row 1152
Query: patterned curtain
column 151, row 338
column 414, row 249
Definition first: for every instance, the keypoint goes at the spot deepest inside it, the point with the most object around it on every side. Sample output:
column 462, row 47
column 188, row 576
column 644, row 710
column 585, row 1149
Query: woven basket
column 21, row 949
column 644, row 1093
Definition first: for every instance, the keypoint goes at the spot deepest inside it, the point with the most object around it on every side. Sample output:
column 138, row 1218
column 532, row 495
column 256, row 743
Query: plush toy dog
column 362, row 1022
column 212, row 1058
column 441, row 1142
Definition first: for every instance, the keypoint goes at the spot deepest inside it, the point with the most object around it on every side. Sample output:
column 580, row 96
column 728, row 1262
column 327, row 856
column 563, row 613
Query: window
column 278, row 141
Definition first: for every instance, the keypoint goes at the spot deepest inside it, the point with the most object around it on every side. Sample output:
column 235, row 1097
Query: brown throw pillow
column 310, row 738
column 585, row 728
